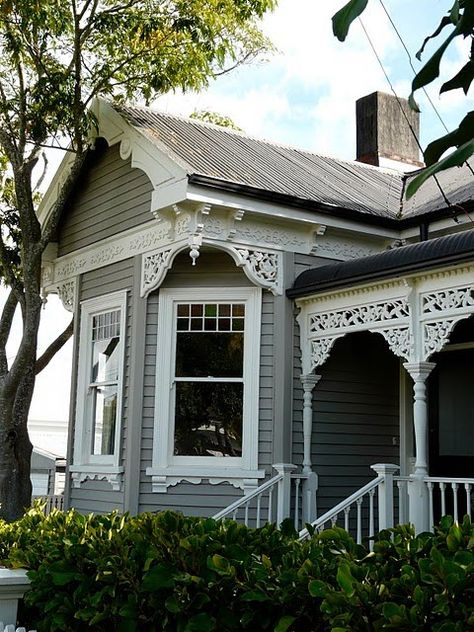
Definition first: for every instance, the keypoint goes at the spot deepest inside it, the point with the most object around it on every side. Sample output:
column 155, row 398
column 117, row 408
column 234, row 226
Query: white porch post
column 417, row 490
column 385, row 489
column 284, row 491
column 308, row 381
column 310, row 485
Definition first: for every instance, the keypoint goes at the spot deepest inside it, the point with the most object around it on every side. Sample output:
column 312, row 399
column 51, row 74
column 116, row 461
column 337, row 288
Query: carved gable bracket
column 67, row 294
column 262, row 268
column 155, row 265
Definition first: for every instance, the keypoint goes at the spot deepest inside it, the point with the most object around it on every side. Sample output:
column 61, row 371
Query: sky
column 303, row 95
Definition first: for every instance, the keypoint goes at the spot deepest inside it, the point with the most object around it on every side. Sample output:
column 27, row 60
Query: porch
column 385, row 501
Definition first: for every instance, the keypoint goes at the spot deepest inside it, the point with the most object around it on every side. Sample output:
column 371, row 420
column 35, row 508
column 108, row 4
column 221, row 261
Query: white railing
column 11, row 628
column 53, row 501
column 364, row 496
column 360, row 512
column 271, row 501
column 453, row 496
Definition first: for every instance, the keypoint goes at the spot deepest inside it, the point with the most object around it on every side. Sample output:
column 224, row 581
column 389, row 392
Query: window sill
column 164, row 477
column 113, row 474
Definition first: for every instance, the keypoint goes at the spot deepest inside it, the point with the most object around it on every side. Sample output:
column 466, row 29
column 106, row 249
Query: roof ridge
column 259, row 139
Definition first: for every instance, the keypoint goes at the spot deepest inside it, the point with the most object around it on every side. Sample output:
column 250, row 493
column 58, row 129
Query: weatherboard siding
column 213, row 269
column 97, row 495
column 110, row 197
column 355, row 416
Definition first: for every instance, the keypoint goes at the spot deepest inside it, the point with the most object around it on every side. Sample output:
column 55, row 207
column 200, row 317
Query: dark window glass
column 208, row 419
column 204, row 354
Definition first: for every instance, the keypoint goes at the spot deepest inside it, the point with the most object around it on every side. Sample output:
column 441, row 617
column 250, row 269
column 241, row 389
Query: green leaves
column 343, row 19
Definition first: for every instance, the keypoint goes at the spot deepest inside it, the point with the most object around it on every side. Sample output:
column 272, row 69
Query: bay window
column 206, row 400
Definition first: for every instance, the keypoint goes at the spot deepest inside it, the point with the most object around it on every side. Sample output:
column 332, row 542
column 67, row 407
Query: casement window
column 99, row 386
column 206, row 401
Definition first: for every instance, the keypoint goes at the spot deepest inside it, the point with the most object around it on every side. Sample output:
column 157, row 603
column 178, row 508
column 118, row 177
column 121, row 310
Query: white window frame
column 168, row 469
column 85, row 464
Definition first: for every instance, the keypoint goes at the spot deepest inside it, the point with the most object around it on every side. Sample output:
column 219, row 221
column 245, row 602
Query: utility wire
column 415, row 72
column 410, row 60
column 447, row 202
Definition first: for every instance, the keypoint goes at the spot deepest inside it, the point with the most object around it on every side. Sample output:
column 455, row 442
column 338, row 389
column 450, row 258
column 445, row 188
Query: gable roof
column 223, row 158
column 210, row 153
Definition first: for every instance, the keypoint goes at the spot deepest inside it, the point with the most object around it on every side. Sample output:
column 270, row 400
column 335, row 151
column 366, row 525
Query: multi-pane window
column 104, row 380
column 99, row 387
column 207, row 386
column 209, row 380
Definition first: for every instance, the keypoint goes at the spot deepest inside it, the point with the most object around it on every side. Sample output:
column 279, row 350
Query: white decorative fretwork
column 399, row 340
column 320, row 350
column 436, row 335
column 361, row 315
column 114, row 478
column 67, row 293
column 444, row 300
column 262, row 268
column 154, row 268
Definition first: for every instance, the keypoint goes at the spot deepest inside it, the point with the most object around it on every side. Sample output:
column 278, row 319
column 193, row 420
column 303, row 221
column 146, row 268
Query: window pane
column 105, row 360
column 208, row 419
column 105, row 413
column 204, row 354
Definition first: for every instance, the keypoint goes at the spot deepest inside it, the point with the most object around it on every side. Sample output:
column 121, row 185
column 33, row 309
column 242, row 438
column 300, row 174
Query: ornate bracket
column 67, row 294
column 154, row 268
column 262, row 268
column 115, row 479
column 454, row 304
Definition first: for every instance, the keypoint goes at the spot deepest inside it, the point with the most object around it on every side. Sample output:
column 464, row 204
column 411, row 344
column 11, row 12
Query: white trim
column 85, row 465
column 166, row 468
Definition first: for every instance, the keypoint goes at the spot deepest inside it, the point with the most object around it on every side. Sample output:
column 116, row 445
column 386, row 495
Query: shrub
column 167, row 572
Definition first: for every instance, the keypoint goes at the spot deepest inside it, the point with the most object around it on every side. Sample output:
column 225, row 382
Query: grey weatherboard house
column 256, row 325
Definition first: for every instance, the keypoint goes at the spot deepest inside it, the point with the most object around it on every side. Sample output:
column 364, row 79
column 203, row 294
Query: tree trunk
column 15, row 456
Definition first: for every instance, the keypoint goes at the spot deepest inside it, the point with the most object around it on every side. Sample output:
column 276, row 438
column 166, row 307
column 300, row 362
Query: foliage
column 56, row 56
column 457, row 23
column 172, row 573
column 215, row 118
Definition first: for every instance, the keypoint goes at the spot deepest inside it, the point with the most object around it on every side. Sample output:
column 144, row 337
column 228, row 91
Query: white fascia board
column 232, row 200
column 165, row 171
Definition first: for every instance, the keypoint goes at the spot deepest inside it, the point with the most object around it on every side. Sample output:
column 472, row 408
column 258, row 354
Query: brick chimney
column 384, row 138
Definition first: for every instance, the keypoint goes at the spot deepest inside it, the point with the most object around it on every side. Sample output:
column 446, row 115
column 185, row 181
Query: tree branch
column 54, row 347
column 5, row 326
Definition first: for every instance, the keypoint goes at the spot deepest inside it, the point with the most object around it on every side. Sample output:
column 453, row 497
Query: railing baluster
column 359, row 520
column 431, row 504
column 246, row 518
column 270, row 503
column 347, row 511
column 371, row 516
column 467, row 487
column 297, row 502
column 334, row 520
column 442, row 487
column 454, row 487
column 259, row 502
column 234, row 514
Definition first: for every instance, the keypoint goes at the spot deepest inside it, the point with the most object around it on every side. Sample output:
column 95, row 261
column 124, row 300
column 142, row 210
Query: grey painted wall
column 110, row 197
column 98, row 495
column 355, row 416
column 213, row 269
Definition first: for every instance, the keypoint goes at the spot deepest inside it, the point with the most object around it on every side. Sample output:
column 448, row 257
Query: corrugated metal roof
column 233, row 158
column 426, row 254
column 230, row 156
column 457, row 184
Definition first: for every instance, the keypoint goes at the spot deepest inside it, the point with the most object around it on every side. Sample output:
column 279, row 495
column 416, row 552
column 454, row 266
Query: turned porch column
column 310, row 485
column 308, row 381
column 417, row 490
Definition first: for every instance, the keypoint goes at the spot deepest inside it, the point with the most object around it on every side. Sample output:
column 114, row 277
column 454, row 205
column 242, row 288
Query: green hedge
column 167, row 572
